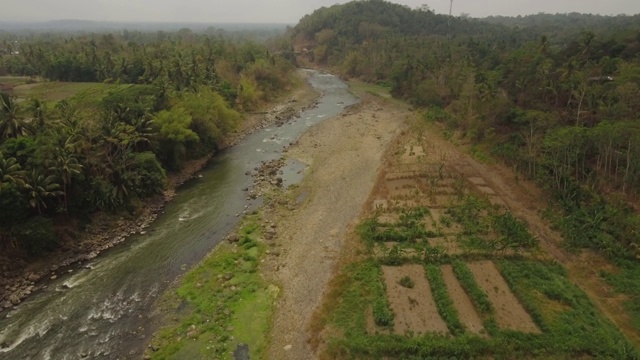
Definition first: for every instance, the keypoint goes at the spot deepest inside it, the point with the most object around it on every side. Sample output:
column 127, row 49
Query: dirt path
column 343, row 155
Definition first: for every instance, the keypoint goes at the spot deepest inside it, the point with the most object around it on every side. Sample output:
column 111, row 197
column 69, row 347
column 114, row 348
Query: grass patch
column 627, row 281
column 409, row 228
column 14, row 80
column 513, row 231
column 490, row 228
column 471, row 215
column 219, row 304
column 569, row 320
column 56, row 91
column 481, row 155
column 363, row 289
column 359, row 88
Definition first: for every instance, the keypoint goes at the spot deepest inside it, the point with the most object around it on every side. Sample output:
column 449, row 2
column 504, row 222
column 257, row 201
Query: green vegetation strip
column 572, row 326
column 478, row 296
column 221, row 303
column 446, row 309
column 364, row 289
column 479, row 219
column 409, row 228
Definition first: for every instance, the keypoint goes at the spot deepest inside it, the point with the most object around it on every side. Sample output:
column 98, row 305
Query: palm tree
column 12, row 124
column 145, row 132
column 38, row 110
column 10, row 172
column 65, row 165
column 587, row 42
column 41, row 187
column 66, row 111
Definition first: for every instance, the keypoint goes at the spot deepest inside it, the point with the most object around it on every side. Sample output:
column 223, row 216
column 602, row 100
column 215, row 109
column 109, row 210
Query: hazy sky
column 275, row 11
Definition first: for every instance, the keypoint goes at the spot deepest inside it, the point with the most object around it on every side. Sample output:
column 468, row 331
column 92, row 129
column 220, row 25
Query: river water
column 100, row 310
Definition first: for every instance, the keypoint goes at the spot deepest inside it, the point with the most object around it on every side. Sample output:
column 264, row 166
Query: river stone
column 14, row 299
column 33, row 277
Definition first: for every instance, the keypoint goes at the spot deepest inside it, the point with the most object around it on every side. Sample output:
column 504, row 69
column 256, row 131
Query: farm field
column 25, row 88
column 445, row 269
column 14, row 80
column 54, row 91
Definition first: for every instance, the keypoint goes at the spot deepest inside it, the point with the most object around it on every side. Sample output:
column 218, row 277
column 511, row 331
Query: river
column 102, row 310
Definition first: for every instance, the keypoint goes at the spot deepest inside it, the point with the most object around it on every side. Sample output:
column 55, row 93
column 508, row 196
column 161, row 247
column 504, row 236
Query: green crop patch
column 361, row 319
column 570, row 322
column 627, row 281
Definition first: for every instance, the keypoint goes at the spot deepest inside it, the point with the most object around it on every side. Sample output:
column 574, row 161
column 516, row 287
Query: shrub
column 406, row 282
column 35, row 236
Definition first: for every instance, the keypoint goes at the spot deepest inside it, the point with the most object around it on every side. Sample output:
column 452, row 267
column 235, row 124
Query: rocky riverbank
column 19, row 279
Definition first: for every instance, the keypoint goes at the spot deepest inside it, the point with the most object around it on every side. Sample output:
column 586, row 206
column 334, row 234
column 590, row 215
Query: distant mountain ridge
column 91, row 25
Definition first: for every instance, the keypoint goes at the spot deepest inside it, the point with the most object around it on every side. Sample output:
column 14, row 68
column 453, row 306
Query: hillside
column 555, row 97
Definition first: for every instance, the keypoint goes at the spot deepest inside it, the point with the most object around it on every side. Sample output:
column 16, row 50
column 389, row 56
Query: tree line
column 160, row 99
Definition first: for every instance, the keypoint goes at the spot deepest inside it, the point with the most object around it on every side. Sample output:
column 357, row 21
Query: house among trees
column 6, row 88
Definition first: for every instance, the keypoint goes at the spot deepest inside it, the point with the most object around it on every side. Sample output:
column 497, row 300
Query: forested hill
column 556, row 96
column 571, row 21
column 359, row 21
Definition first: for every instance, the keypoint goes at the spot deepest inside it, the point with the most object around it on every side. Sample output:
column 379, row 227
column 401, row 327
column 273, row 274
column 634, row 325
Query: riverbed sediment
column 343, row 156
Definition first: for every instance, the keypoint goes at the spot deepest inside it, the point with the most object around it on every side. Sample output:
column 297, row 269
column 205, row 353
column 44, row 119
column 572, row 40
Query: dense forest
column 555, row 96
column 157, row 101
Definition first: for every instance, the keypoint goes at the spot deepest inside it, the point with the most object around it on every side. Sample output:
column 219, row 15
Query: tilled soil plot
column 509, row 312
column 414, row 308
column 468, row 315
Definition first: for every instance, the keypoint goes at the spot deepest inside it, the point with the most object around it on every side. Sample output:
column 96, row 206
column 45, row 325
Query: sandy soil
column 466, row 312
column 414, row 309
column 509, row 312
column 344, row 154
